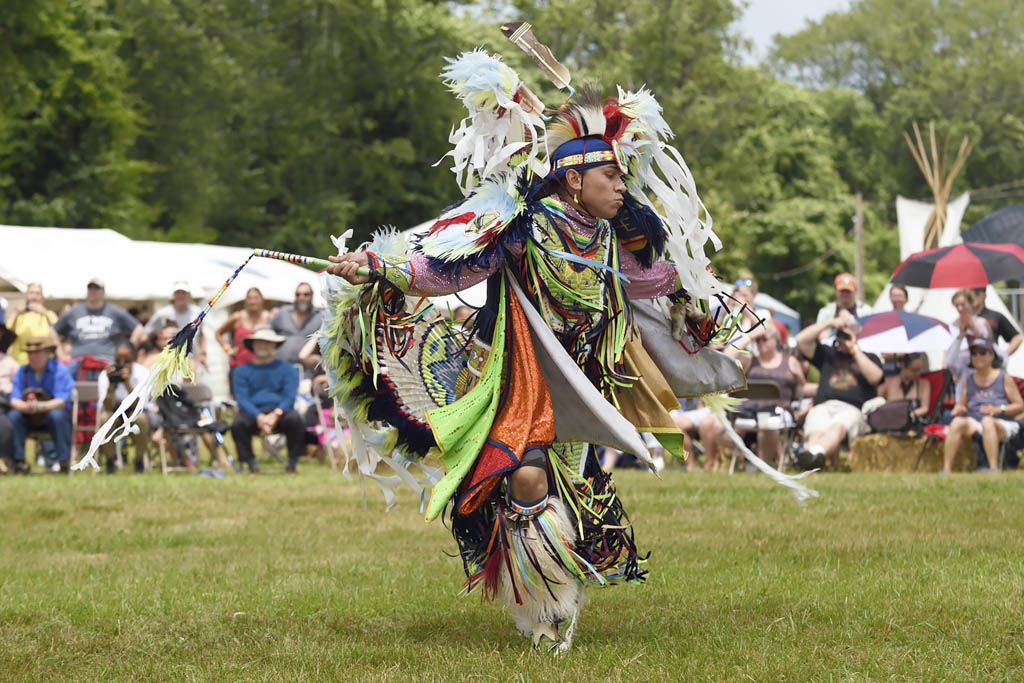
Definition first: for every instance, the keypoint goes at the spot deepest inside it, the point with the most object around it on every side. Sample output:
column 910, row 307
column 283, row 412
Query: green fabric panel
column 461, row 428
column 671, row 442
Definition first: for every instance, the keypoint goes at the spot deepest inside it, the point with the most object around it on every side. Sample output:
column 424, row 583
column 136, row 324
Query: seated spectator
column 113, row 386
column 296, row 322
column 40, row 399
column 8, row 366
column 772, row 363
column 988, row 404
column 908, row 385
column 95, row 326
column 265, row 389
column 848, row 379
column 240, row 325
column 180, row 312
column 970, row 326
column 698, row 418
column 31, row 318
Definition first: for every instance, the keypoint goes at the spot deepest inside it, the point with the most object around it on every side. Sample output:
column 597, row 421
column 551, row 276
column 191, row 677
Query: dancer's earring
column 576, row 198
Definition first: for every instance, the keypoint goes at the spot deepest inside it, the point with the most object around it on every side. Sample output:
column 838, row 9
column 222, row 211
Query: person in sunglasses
column 988, row 404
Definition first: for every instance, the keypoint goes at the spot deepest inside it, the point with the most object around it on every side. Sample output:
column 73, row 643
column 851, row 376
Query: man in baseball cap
column 180, row 312
column 846, row 299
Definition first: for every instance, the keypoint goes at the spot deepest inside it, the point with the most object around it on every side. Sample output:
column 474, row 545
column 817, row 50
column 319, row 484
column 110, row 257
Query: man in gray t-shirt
column 180, row 312
column 296, row 323
column 94, row 327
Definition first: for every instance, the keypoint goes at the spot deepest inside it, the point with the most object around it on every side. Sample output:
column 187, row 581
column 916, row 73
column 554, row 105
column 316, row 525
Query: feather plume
column 504, row 129
column 583, row 115
column 657, row 168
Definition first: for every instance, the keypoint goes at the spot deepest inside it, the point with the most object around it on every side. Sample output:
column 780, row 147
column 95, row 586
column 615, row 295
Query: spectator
column 699, row 419
column 988, row 404
column 113, row 386
column 40, row 398
column 31, row 318
column 772, row 363
column 265, row 389
column 461, row 313
column 180, row 312
column 240, row 325
column 970, row 326
column 1000, row 325
column 848, row 379
column 897, row 297
column 141, row 313
column 95, row 326
column 846, row 300
column 296, row 323
column 8, row 366
column 908, row 385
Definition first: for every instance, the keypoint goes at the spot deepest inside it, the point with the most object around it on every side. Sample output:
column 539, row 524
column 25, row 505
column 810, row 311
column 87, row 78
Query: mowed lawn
column 271, row 577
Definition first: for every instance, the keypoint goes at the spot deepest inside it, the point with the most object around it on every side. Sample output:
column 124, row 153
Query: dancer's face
column 600, row 190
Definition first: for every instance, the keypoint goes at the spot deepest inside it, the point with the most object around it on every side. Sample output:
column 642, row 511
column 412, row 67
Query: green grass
column 287, row 578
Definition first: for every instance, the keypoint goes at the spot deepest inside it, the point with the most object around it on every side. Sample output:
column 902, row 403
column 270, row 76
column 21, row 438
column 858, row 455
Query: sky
column 764, row 18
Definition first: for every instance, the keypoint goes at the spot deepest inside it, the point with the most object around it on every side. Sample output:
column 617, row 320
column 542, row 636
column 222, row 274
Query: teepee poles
column 934, row 169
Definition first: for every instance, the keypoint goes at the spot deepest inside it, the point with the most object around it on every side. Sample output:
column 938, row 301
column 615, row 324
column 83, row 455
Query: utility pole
column 858, row 237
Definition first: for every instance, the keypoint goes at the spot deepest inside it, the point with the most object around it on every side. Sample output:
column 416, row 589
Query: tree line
column 277, row 124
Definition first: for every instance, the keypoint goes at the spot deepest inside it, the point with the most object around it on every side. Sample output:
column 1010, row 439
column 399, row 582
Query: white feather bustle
column 538, row 605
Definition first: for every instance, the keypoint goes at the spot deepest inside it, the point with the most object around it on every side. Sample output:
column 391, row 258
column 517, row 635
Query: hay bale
column 887, row 453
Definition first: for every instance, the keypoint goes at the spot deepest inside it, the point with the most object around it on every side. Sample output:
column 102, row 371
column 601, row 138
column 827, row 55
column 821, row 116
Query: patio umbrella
column 967, row 265
column 902, row 332
column 1005, row 225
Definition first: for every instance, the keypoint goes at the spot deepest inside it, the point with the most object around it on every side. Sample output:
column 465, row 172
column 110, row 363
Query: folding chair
column 196, row 394
column 765, row 390
column 941, row 383
column 84, row 393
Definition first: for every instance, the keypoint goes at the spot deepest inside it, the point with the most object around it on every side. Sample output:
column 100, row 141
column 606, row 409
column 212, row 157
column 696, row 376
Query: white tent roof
column 63, row 260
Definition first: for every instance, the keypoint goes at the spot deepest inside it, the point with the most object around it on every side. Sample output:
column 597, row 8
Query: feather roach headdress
column 503, row 141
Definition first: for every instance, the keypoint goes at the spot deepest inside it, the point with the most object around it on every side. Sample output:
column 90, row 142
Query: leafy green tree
column 955, row 61
column 67, row 119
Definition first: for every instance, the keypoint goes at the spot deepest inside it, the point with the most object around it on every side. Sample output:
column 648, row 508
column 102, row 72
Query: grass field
column 287, row 578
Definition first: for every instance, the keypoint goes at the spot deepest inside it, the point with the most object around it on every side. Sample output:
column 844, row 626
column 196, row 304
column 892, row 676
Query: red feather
column 616, row 121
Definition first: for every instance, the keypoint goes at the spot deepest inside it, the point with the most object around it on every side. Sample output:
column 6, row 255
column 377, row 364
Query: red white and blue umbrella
column 902, row 332
column 967, row 265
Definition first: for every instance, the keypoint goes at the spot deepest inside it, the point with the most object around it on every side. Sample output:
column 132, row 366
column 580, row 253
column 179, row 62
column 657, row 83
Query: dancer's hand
column 348, row 267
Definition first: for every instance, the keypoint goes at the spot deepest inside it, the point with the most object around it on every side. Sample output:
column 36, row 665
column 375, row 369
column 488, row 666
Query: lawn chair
column 84, row 393
column 941, row 384
column 184, row 416
column 766, row 390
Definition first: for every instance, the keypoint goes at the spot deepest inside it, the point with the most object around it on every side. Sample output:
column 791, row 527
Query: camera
column 114, row 374
column 843, row 335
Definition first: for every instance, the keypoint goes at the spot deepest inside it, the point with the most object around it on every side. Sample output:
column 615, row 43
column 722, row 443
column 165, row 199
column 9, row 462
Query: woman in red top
column 240, row 325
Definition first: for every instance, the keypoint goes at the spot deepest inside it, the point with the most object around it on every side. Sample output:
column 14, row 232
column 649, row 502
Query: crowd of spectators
column 827, row 387
column 826, row 384
column 43, row 356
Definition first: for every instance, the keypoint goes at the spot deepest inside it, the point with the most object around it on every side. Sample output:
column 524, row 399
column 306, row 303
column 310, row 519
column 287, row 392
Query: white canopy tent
column 63, row 260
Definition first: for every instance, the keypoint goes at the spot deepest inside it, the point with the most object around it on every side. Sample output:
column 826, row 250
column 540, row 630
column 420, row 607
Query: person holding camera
column 113, row 386
column 40, row 397
column 848, row 379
